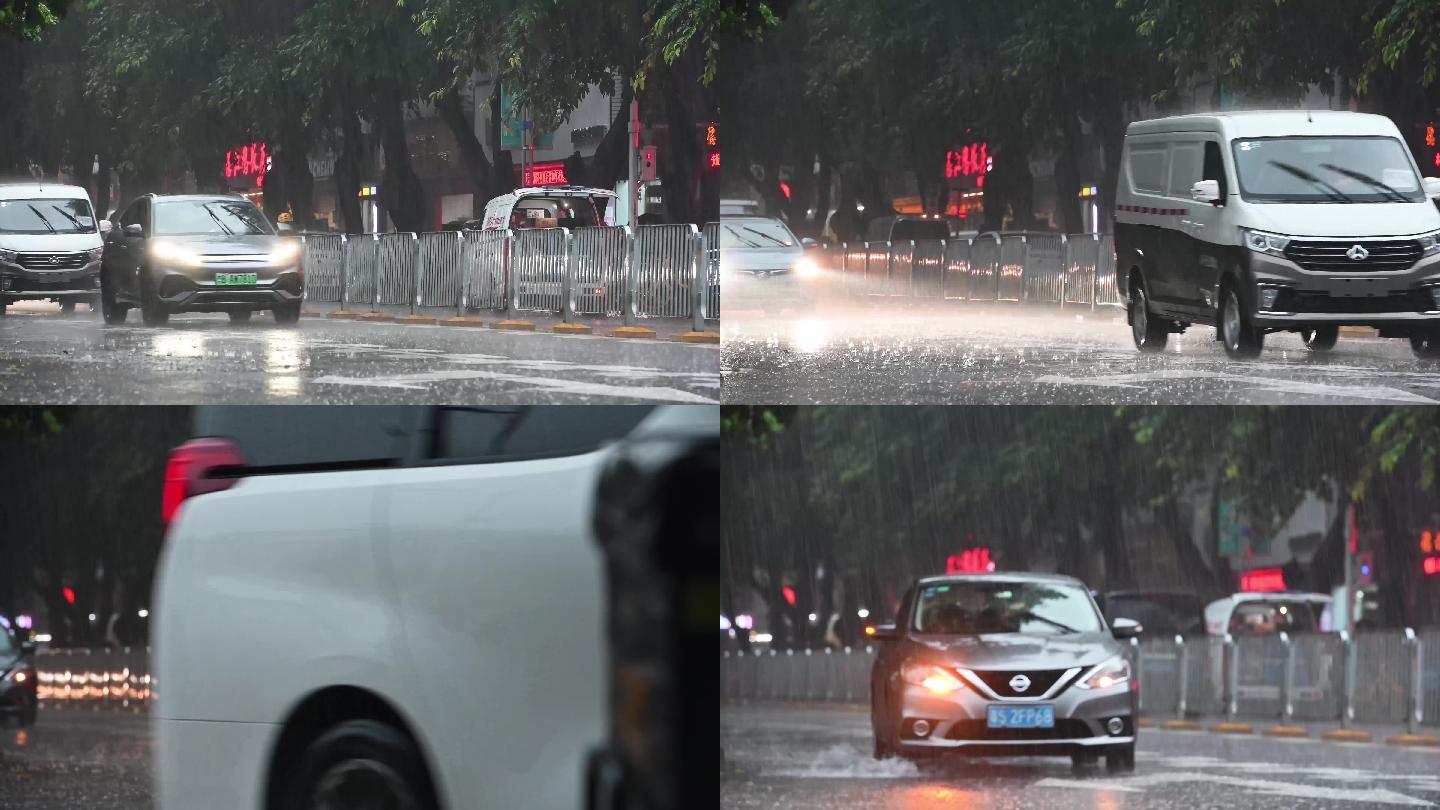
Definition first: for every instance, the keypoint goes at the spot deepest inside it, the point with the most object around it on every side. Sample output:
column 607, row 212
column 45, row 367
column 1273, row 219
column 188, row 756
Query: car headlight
column 94, row 253
column 285, row 254
column 1262, row 242
column 933, row 678
column 1430, row 244
column 805, row 267
column 9, row 256
column 1114, row 672
column 171, row 253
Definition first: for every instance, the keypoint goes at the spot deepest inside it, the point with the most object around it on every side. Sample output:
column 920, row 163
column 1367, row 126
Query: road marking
column 422, row 380
column 1141, row 380
column 1268, row 787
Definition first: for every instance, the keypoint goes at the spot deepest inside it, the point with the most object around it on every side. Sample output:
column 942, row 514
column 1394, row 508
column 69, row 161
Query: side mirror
column 1432, row 187
column 808, row 243
column 1206, row 191
column 885, row 632
column 1126, row 628
column 135, row 229
column 105, row 227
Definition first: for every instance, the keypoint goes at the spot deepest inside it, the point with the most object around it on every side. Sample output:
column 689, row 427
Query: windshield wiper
column 1366, row 179
column 1330, row 191
column 32, row 207
column 737, row 235
column 62, row 212
column 1030, row 614
column 227, row 231
column 776, row 240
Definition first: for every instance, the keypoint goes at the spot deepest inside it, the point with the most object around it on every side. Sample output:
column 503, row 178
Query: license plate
column 1020, row 716
column 235, row 279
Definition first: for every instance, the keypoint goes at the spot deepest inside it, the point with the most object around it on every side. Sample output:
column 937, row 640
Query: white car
column 404, row 604
column 50, row 245
column 550, row 207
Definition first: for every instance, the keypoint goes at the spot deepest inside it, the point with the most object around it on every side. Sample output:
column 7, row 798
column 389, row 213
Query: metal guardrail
column 118, row 678
column 1389, row 676
column 1064, row 270
column 659, row 271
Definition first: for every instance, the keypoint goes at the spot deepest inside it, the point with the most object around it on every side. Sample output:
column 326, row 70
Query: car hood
column 1360, row 220
column 761, row 258
column 211, row 245
column 49, row 242
column 1019, row 650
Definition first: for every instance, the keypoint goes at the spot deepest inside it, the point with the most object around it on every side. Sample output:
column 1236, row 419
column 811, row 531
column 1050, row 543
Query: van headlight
column 1262, row 242
column 805, row 267
column 1114, row 672
column 1430, row 244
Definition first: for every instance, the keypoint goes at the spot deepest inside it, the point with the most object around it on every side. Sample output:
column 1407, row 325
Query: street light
column 142, row 613
column 863, row 613
column 92, row 617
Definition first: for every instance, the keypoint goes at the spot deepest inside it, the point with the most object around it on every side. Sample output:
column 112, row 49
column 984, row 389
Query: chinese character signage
column 970, row 160
column 248, row 160
column 545, row 174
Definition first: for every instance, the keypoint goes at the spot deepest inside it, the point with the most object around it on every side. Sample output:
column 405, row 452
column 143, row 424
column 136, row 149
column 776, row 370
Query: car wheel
column 112, row 312
column 239, row 316
column 1149, row 332
column 287, row 314
column 1120, row 758
column 1239, row 335
column 884, row 746
column 1321, row 338
column 1083, row 758
column 359, row 763
column 1426, row 345
column 67, row 307
column 152, row 309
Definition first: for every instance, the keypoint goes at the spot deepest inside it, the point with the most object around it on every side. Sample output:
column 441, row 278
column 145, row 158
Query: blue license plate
column 1020, row 716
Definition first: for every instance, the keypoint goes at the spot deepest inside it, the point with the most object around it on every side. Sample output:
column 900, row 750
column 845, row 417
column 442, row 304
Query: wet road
column 807, row 759
column 204, row 358
column 1006, row 354
column 73, row 758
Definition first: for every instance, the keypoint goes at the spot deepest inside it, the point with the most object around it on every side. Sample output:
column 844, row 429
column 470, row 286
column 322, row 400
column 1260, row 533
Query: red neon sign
column 714, row 160
column 970, row 561
column 969, row 160
column 1262, row 579
column 712, row 135
column 546, row 174
column 249, row 159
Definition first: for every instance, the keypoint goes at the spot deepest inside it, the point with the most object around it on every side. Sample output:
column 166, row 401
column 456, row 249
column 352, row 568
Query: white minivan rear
column 1268, row 221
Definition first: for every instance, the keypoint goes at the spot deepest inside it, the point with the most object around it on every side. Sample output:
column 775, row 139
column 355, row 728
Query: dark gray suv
column 1003, row 665
column 199, row 253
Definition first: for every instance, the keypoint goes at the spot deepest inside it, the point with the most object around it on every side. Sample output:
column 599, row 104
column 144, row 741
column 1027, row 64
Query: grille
column 999, row 681
column 977, row 730
column 1329, row 257
column 1324, row 303
column 52, row 261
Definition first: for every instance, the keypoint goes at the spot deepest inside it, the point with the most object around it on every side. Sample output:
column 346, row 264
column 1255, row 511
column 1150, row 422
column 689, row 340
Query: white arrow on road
column 1136, row 784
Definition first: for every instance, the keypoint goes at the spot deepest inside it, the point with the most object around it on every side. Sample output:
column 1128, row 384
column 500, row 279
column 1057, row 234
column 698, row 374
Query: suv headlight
column 285, row 254
column 1114, row 672
column 1430, row 244
column 1262, row 242
column 171, row 253
column 933, row 678
column 93, row 254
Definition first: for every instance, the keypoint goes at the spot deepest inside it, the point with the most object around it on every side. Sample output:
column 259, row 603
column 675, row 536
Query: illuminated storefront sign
column 250, row 159
column 546, row 174
column 1262, row 579
column 970, row 160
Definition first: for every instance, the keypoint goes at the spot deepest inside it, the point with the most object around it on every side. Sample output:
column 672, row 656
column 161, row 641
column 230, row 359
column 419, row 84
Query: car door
column 130, row 250
column 1147, row 166
column 1182, row 231
column 500, row 587
column 1215, row 245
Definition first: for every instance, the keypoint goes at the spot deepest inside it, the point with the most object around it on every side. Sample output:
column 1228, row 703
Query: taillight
column 187, row 473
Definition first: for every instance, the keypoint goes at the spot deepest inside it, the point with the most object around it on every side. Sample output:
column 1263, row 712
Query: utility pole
column 633, row 154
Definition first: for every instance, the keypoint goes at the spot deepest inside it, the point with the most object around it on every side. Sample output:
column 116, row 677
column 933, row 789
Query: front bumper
column 958, row 722
column 196, row 290
column 777, row 290
column 1374, row 298
column 19, row 284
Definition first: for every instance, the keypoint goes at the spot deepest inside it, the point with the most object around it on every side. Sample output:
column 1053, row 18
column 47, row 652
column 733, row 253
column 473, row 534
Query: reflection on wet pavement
column 77, row 759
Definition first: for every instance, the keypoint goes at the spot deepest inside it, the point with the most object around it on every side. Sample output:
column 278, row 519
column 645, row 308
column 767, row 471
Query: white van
column 551, row 207
column 1267, row 221
column 50, row 245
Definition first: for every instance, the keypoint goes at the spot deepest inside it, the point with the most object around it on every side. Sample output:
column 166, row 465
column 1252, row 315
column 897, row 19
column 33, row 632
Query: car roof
column 196, row 197
column 1277, row 596
column 1000, row 576
column 1269, row 123
column 728, row 218
column 45, row 191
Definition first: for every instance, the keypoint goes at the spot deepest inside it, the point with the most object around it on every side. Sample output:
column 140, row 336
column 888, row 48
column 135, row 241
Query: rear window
column 1269, row 618
column 492, row 434
column 554, row 212
column 312, row 435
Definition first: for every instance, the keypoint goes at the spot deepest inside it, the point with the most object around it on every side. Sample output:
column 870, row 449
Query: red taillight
column 187, row 473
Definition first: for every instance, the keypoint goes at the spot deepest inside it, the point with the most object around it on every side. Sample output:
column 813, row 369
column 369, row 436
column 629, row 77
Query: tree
column 28, row 18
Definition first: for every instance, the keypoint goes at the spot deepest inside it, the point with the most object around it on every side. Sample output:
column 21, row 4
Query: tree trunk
column 102, row 186
column 1067, row 174
column 680, row 164
column 608, row 167
column 400, row 192
column 472, row 153
column 349, row 164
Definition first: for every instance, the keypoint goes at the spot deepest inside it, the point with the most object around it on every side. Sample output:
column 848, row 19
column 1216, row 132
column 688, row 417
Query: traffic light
column 1364, row 569
column 69, row 594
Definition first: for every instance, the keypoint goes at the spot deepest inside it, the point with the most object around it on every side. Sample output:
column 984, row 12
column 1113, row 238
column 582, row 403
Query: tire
column 1426, row 345
column 1237, row 332
column 1083, row 758
column 67, row 307
column 287, row 314
column 1321, row 338
column 359, row 758
column 1149, row 332
column 239, row 316
column 1120, row 758
column 113, row 313
column 884, row 746
column 152, row 310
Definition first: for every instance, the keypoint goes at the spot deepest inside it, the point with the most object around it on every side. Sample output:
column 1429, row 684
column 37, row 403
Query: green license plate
column 235, row 279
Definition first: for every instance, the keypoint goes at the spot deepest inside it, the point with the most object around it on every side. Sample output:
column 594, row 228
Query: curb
column 1232, row 728
column 1359, row 331
column 424, row 319
column 1181, row 725
column 571, row 329
column 631, row 332
column 462, row 321
column 1286, row 731
column 1346, row 735
column 1145, row 722
column 514, row 326
column 344, row 314
column 374, row 316
column 698, row 337
column 1414, row 740
column 309, row 313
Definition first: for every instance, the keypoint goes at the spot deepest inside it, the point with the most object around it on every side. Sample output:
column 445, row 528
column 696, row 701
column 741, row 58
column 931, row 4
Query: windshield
column 1331, row 169
column 755, row 233
column 216, row 217
column 974, row 608
column 46, row 216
